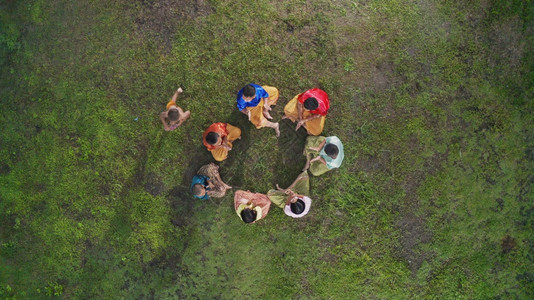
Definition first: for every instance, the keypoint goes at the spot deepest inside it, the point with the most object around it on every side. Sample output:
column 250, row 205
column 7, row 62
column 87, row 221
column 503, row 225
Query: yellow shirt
column 251, row 206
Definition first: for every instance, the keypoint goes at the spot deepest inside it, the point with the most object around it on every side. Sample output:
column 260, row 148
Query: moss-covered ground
column 433, row 101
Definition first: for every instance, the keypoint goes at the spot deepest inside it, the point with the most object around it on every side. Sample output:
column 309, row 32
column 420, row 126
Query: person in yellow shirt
column 251, row 207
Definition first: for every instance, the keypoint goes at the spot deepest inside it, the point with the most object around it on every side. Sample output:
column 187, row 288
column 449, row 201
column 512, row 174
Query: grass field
column 433, row 101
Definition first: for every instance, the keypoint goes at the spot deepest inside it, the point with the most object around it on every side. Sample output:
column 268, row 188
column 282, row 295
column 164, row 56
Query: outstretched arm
column 289, row 188
column 311, row 118
column 292, row 186
column 175, row 96
column 318, row 158
column 318, row 148
column 246, row 112
column 301, row 122
column 293, row 198
column 282, row 190
column 299, row 110
column 308, row 162
column 225, row 143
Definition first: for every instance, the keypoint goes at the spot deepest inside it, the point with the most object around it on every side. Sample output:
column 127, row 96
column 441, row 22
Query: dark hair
column 249, row 91
column 248, row 215
column 197, row 189
column 173, row 114
column 212, row 138
column 331, row 150
column 311, row 103
column 298, row 207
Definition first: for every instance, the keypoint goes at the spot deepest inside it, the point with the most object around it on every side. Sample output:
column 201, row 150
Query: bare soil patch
column 4, row 169
column 413, row 228
column 159, row 19
column 508, row 244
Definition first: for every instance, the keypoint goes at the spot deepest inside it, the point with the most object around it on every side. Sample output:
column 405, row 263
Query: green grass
column 432, row 100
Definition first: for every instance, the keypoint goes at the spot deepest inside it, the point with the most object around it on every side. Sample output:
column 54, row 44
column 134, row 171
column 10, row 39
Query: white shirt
column 307, row 204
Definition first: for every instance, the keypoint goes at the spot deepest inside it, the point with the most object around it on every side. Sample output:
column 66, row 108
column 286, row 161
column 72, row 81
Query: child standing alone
column 174, row 116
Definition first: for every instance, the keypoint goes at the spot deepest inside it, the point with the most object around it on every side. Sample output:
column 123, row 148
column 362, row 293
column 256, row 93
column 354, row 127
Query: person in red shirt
column 308, row 109
column 218, row 139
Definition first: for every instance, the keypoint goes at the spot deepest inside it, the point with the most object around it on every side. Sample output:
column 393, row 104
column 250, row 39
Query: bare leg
column 226, row 187
column 267, row 114
column 219, row 179
column 296, row 180
column 275, row 126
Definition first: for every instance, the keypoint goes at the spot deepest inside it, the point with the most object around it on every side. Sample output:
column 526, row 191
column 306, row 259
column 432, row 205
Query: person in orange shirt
column 218, row 139
column 174, row 116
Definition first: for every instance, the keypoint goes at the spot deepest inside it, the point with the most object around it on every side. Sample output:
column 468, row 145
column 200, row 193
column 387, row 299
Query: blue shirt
column 332, row 163
column 260, row 93
column 203, row 180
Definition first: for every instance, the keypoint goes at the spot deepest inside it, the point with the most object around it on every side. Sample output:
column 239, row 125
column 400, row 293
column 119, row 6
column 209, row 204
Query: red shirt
column 219, row 128
column 322, row 99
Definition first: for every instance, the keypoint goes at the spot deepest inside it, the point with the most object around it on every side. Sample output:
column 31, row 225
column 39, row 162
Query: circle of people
column 308, row 109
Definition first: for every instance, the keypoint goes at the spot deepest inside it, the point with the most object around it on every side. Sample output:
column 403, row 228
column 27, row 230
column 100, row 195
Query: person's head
column 173, row 114
column 311, row 103
column 331, row 150
column 199, row 190
column 297, row 207
column 248, row 215
column 249, row 92
column 212, row 138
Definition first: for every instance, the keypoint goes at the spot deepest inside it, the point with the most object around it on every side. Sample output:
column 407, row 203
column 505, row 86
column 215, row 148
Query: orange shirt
column 171, row 103
column 219, row 128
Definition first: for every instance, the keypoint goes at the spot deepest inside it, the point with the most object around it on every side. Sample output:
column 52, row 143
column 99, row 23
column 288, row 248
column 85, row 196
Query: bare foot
column 267, row 115
column 277, row 129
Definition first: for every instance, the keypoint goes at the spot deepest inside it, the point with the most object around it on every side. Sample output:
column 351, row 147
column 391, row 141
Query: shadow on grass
column 180, row 197
column 232, row 169
column 290, row 160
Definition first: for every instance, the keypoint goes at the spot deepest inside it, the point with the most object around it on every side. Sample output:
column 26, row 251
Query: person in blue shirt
column 255, row 101
column 208, row 183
